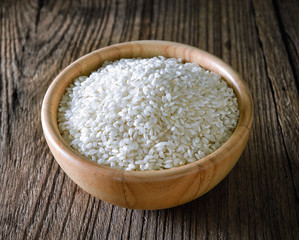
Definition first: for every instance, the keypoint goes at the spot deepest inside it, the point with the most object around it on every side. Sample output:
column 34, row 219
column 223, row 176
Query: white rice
column 148, row 114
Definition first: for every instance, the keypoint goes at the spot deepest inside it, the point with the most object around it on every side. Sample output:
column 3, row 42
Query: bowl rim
column 243, row 127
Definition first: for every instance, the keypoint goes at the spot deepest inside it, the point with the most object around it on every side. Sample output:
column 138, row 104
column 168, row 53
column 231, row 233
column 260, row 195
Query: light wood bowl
column 149, row 189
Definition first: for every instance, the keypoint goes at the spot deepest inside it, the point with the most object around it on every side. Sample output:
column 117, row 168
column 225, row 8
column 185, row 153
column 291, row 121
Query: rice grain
column 147, row 114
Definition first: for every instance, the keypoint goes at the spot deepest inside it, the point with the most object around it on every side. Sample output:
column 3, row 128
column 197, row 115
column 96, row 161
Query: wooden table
column 257, row 200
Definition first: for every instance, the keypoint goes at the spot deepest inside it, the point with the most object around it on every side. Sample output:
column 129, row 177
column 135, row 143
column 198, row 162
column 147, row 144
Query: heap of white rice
column 148, row 114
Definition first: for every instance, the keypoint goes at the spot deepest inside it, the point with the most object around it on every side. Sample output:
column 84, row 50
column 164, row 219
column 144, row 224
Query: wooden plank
column 282, row 82
column 258, row 198
column 288, row 18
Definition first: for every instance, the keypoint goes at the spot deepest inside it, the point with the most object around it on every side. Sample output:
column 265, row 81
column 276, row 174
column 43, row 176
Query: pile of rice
column 148, row 114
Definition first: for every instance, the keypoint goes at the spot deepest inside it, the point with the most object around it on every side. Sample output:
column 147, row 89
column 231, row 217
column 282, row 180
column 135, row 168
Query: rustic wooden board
column 257, row 200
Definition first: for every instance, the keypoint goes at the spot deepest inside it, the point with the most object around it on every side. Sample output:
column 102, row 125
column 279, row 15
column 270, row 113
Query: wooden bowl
column 149, row 189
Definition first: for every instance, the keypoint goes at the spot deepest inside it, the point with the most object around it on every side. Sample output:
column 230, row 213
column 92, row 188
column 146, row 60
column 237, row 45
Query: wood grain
column 258, row 199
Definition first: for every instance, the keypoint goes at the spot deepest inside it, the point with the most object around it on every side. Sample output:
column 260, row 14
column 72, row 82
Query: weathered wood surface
column 257, row 200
